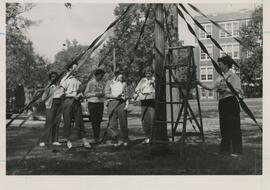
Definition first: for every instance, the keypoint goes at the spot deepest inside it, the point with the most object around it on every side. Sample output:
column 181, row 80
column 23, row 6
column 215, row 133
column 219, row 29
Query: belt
column 69, row 97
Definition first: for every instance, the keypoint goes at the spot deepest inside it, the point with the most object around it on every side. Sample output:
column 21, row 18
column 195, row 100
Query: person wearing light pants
column 116, row 92
column 145, row 92
column 72, row 108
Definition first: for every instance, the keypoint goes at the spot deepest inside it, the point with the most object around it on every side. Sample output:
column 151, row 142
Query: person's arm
column 45, row 94
column 108, row 93
column 88, row 93
column 138, row 89
column 207, row 87
column 139, row 86
column 235, row 81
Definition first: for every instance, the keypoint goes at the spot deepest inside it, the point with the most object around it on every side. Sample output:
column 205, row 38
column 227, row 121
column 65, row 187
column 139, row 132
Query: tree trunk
column 160, row 128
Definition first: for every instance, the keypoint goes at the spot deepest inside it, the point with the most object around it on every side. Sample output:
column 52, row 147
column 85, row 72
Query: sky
column 84, row 22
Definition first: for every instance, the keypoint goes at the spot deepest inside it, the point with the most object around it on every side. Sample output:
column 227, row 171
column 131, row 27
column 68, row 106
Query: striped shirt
column 93, row 87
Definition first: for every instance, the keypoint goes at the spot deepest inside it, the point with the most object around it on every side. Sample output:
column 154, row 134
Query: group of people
column 64, row 99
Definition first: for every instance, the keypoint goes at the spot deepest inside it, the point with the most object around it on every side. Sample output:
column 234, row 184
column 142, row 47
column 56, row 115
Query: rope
column 93, row 45
column 218, row 26
column 241, row 101
column 214, row 41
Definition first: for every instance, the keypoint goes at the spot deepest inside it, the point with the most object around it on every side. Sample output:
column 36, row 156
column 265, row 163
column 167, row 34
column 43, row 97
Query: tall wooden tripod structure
column 174, row 69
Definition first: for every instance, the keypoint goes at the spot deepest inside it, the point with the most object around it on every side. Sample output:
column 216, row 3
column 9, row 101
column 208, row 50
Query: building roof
column 221, row 17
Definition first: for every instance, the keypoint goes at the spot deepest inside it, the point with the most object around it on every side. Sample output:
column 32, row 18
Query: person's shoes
column 117, row 145
column 125, row 144
column 86, row 144
column 235, row 155
column 64, row 140
column 69, row 144
column 41, row 144
column 56, row 144
column 146, row 141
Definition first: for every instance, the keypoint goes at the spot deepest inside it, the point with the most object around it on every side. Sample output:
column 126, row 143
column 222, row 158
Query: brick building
column 232, row 22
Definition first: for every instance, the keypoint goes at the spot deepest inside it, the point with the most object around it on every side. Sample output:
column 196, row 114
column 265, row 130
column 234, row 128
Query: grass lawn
column 200, row 158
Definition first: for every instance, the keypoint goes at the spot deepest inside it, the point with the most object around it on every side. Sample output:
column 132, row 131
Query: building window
column 210, row 94
column 231, row 49
column 231, row 27
column 204, row 56
column 206, row 73
column 205, row 94
column 208, row 29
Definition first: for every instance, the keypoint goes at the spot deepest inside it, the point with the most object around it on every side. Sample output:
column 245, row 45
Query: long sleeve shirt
column 220, row 83
column 93, row 87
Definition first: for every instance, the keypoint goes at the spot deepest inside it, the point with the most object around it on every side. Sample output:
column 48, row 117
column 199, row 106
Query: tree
column 22, row 63
column 125, row 36
column 251, row 35
column 72, row 49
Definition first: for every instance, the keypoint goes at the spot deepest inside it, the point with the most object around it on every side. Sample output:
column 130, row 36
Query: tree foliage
column 66, row 55
column 251, row 35
column 126, row 34
column 22, row 63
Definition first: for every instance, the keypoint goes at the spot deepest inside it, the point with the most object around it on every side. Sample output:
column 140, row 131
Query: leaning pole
column 160, row 126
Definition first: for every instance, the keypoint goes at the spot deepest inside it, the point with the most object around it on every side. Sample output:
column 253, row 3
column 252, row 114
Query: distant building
column 232, row 22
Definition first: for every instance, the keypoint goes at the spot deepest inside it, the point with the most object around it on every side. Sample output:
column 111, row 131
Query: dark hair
column 120, row 72
column 226, row 60
column 99, row 71
column 51, row 73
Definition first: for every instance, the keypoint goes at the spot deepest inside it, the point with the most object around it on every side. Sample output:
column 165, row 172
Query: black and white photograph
column 128, row 89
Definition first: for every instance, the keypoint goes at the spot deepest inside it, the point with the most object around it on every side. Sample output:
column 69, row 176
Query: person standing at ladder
column 228, row 106
column 145, row 92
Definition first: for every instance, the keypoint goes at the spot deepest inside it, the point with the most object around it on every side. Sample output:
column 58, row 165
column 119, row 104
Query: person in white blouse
column 145, row 92
column 229, row 109
column 116, row 92
column 72, row 108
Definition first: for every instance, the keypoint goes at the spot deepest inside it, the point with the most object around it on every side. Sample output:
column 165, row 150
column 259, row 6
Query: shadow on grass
column 137, row 159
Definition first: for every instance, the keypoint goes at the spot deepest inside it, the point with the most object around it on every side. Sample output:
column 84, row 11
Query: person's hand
column 135, row 96
column 100, row 94
column 78, row 96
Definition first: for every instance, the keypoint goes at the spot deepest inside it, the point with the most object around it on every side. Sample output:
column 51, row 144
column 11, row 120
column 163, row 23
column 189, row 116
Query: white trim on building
column 206, row 73
column 232, row 27
column 208, row 28
column 232, row 49
column 204, row 56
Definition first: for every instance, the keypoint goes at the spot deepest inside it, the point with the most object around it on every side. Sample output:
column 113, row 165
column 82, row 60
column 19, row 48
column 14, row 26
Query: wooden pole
column 160, row 126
